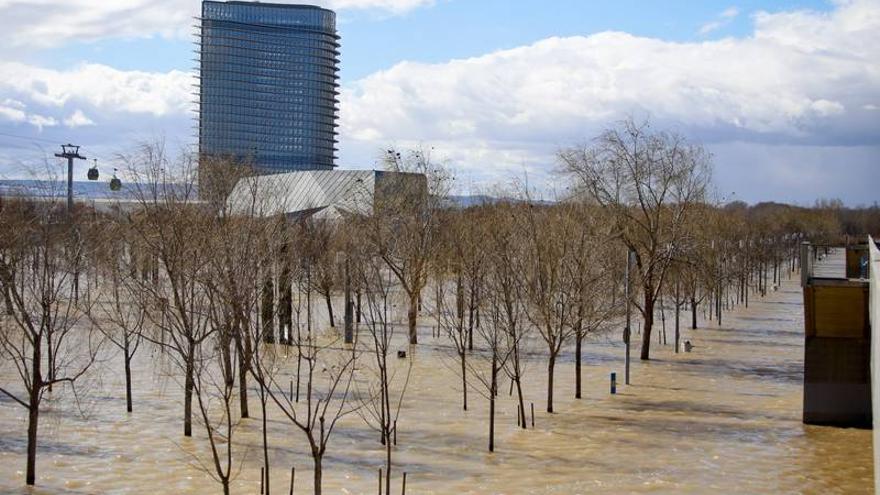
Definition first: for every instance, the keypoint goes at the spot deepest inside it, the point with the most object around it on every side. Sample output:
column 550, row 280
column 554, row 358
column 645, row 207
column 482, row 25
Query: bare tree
column 505, row 282
column 116, row 312
column 328, row 375
column 549, row 287
column 590, row 270
column 649, row 182
column 403, row 225
column 214, row 391
column 174, row 228
column 381, row 395
column 486, row 365
column 42, row 338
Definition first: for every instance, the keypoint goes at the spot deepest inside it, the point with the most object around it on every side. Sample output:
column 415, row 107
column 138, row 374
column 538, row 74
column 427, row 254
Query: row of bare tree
column 226, row 294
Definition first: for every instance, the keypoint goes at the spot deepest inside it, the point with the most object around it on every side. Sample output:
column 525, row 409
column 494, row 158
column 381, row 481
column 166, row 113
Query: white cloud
column 47, row 23
column 99, row 86
column 772, row 85
column 78, row 119
column 12, row 110
column 710, row 26
column 40, row 121
column 15, row 111
column 722, row 20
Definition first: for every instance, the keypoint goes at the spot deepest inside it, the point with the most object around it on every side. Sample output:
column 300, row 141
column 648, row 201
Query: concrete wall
column 874, row 314
column 837, row 353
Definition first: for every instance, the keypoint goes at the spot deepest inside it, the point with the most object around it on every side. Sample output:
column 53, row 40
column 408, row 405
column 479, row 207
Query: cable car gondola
column 115, row 183
column 93, row 171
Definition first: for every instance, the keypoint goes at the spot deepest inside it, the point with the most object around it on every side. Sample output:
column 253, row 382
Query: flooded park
column 724, row 418
column 505, row 248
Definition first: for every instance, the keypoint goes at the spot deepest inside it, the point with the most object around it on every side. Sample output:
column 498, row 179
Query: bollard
column 403, row 488
column 262, row 477
column 291, row 389
column 613, row 382
column 533, row 415
column 380, row 481
column 395, row 432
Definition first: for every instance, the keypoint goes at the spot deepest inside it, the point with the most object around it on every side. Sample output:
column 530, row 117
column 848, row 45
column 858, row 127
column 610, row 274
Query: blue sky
column 784, row 93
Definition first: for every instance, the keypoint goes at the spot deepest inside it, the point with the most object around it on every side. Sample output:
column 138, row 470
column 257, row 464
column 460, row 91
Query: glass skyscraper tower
column 269, row 84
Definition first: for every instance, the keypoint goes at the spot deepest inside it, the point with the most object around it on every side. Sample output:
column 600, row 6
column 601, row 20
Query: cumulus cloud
column 99, row 86
column 810, row 83
column 47, row 23
column 40, row 121
column 16, row 112
column 78, row 119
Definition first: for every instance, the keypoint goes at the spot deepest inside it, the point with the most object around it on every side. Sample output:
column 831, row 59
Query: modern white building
column 321, row 194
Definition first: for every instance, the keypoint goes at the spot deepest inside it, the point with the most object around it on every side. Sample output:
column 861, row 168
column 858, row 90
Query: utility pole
column 70, row 152
column 626, row 330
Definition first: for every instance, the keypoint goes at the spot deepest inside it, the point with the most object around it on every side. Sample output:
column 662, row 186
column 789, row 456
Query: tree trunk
column 578, row 338
column 285, row 304
column 649, row 323
column 522, row 403
column 226, row 354
column 662, row 319
column 50, row 355
column 329, row 309
column 8, row 300
column 388, row 462
column 263, row 399
column 268, row 310
column 127, row 377
column 471, row 307
column 463, row 356
column 492, row 387
column 677, row 320
column 33, row 420
column 551, row 364
column 188, row 394
column 318, row 473
column 244, row 356
column 412, row 315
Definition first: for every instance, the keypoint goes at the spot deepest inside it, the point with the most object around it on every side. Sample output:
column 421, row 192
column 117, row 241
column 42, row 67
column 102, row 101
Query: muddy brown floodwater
column 725, row 418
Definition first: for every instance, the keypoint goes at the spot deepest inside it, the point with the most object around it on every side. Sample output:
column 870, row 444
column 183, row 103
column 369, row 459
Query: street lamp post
column 70, row 152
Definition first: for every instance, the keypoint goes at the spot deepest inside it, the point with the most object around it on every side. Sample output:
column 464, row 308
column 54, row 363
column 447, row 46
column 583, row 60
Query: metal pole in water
column 613, row 383
column 403, row 488
column 292, row 477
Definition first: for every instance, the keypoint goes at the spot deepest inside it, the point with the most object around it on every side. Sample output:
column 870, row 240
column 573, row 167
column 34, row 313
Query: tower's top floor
column 271, row 14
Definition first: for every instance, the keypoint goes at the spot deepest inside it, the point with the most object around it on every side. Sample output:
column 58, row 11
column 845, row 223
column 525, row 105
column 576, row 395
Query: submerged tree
column 116, row 312
column 174, row 229
column 649, row 182
column 403, row 225
column 383, row 383
column 44, row 337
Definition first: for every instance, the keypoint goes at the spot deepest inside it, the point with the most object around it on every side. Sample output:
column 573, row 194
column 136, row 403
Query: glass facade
column 269, row 84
